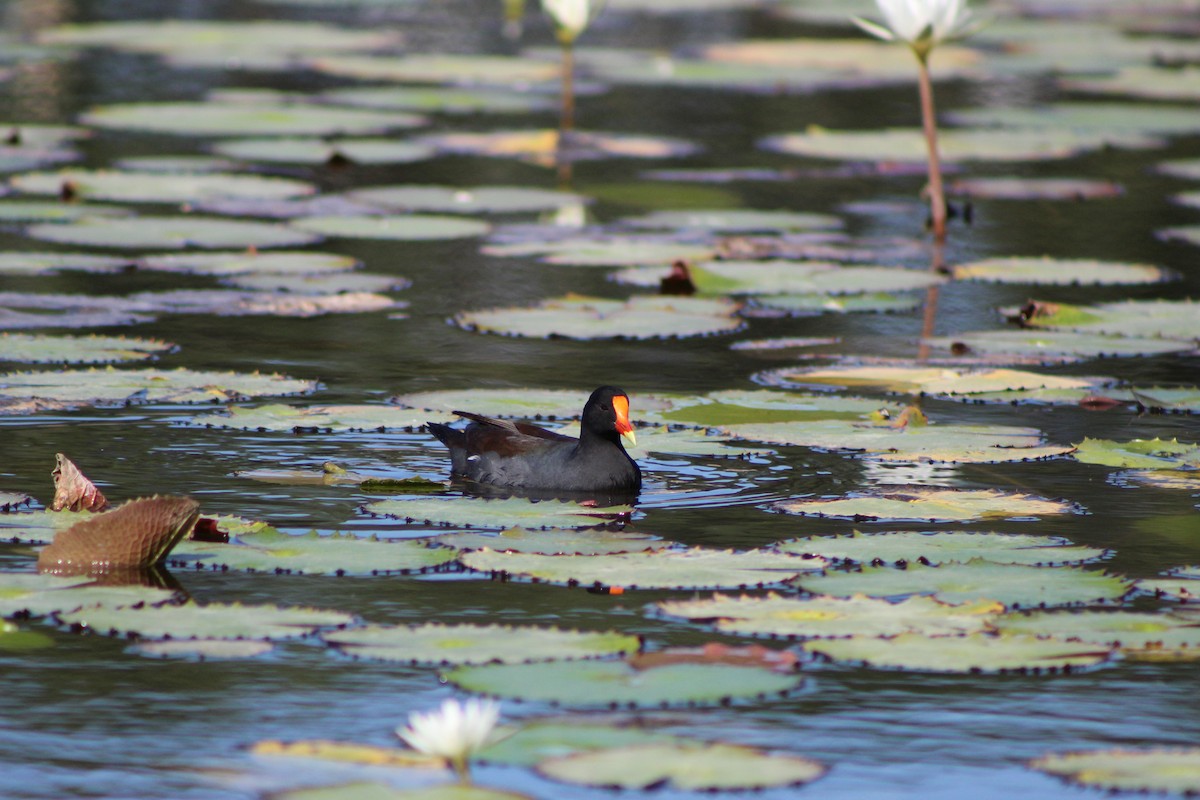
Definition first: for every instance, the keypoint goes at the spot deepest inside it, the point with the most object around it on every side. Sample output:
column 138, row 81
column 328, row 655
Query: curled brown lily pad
column 138, row 534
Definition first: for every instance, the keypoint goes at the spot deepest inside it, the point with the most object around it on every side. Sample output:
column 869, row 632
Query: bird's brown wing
column 493, row 428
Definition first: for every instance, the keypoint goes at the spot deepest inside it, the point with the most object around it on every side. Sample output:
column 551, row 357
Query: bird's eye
column 604, row 407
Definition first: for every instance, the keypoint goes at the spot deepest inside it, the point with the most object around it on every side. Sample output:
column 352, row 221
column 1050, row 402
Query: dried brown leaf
column 72, row 489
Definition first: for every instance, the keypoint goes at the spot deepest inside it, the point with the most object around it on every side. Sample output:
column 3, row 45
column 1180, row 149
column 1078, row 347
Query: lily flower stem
column 567, row 121
column 937, row 198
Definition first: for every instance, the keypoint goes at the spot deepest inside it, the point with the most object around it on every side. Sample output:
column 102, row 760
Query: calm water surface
column 85, row 718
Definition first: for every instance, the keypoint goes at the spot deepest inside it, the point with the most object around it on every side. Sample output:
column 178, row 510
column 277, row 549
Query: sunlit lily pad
column 39, row 594
column 227, row 38
column 974, row 653
column 313, row 554
column 608, row 251
column 1051, row 347
column 157, row 187
column 400, row 227
column 548, row 542
column 524, row 402
column 857, row 56
column 465, row 200
column 169, row 232
column 732, row 407
column 181, row 163
column 496, row 514
column 832, row 617
column 382, row 791
column 1160, row 83
column 1176, row 771
column 442, row 68
column 204, row 649
column 324, row 151
column 10, row 501
column 869, row 303
column 1188, row 168
column 37, row 263
column 277, row 262
column 784, row 277
column 916, row 379
column 901, row 547
column 1014, row 585
column 325, row 284
column 685, row 766
column 923, row 504
column 110, row 386
column 1182, row 588
column 434, row 643
column 904, row 144
column 664, row 441
column 1161, row 479
column 1168, row 319
column 41, row 349
column 241, row 303
column 56, row 211
column 1020, row 188
column 1139, row 453
column 238, row 119
column 695, row 568
column 1128, row 630
column 212, row 621
column 561, row 735
column 580, row 317
column 541, row 146
column 1092, row 117
column 299, row 419
column 735, row 220
column 1058, row 271
column 1181, row 400
column 617, row 684
column 441, row 99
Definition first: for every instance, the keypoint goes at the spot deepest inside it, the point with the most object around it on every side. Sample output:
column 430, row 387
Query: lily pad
column 917, row 379
column 833, row 617
column 1139, row 453
column 1131, row 631
column 550, row 542
column 35, row 263
column 580, row 317
column 1159, row 83
column 326, row 284
column 924, row 504
column 705, row 767
column 41, row 349
column 212, row 621
column 694, row 568
column 268, row 550
column 235, row 303
column 868, row 302
column 1059, row 271
column 524, row 402
column 1021, row 188
column 1051, row 347
column 158, row 187
column 171, row 232
column 1014, row 585
column 441, row 99
column 497, row 514
column 110, row 386
column 975, row 653
column 606, row 251
column 1188, row 168
column 541, row 146
column 783, row 277
column 437, row 644
column 1168, row 770
column 734, row 220
column 300, row 419
column 294, row 150
column 617, row 684
column 466, row 200
column 382, row 791
column 50, row 211
column 400, row 227
column 277, row 262
column 204, row 649
column 561, row 735
column 238, row 119
column 38, row 594
column 1167, row 319
column 442, row 68
column 732, row 407
column 902, row 547
column 136, row 535
column 1092, row 117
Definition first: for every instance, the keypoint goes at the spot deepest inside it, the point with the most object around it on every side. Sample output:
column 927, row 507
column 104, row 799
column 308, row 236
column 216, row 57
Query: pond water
column 86, row 717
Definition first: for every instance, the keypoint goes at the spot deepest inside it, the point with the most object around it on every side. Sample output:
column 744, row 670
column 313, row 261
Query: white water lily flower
column 921, row 24
column 454, row 731
column 570, row 17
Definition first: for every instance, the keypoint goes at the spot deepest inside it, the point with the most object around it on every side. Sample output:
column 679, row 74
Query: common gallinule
column 525, row 457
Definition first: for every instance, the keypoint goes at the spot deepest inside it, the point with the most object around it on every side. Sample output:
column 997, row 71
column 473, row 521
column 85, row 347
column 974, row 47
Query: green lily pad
column 204, row 649
column 1167, row 319
column 955, row 145
column 924, row 504
column 1182, row 587
column 36, row 527
column 383, row 791
column 689, row 766
column 552, row 737
column 1180, row 400
column 694, row 568
column 541, row 146
column 1139, row 453
column 549, row 542
column 783, row 277
column 974, row 653
column 35, row 263
column 39, row 594
column 238, row 119
column 465, row 200
column 734, row 220
column 184, row 163
column 171, row 232
column 277, row 262
column 228, row 38
column 442, row 68
column 231, row 302
column 866, row 303
column 1161, row 479
column 158, row 187
column 665, row 441
column 298, row 419
column 1014, row 585
column 609, row 251
column 1021, row 188
column 51, row 211
column 1128, row 630
column 268, row 550
column 1059, row 271
column 1159, row 83
column 325, row 284
column 9, row 501
column 900, row 547
column 16, row 640
column 496, row 514
column 526, row 403
column 1168, row 770
column 41, row 349
column 212, row 621
column 917, row 379
column 437, row 644
column 733, row 407
column 108, row 386
column 401, row 227
column 579, row 317
column 833, row 617
column 293, row 150
column 616, row 683
column 1051, row 347
column 442, row 99
column 1092, row 117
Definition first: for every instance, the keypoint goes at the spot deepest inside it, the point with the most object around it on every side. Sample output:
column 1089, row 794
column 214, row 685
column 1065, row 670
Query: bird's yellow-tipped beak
column 624, row 426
